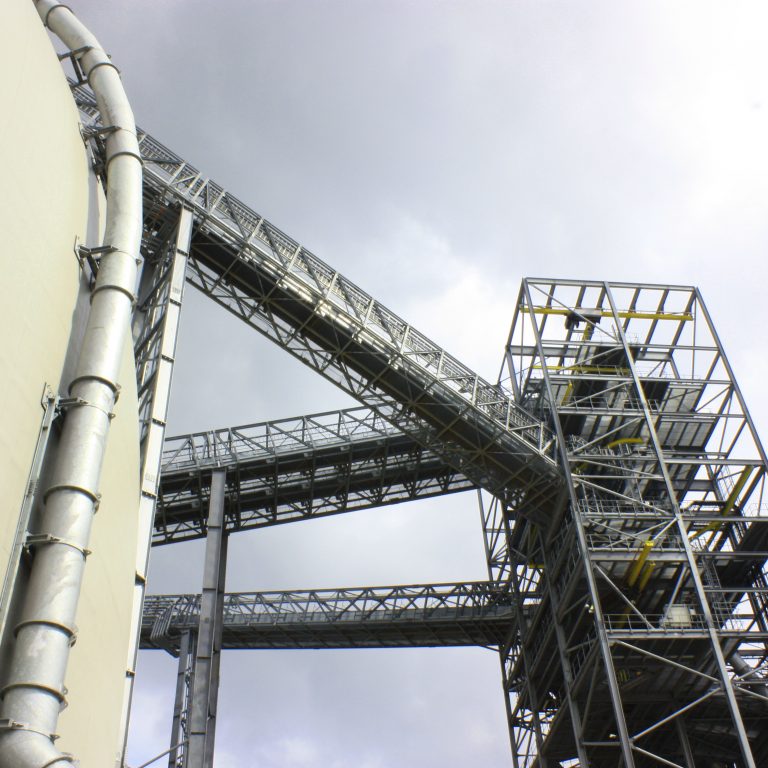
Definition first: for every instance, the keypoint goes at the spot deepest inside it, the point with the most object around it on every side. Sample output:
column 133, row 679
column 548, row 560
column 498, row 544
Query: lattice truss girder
column 653, row 584
column 294, row 469
column 253, row 269
column 461, row 614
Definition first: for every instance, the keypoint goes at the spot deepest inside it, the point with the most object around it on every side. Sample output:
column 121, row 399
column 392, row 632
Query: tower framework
column 649, row 642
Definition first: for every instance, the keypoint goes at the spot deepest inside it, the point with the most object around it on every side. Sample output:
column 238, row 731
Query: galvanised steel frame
column 629, row 520
column 416, row 616
column 196, row 743
column 247, row 265
column 475, row 613
column 295, row 469
column 649, row 643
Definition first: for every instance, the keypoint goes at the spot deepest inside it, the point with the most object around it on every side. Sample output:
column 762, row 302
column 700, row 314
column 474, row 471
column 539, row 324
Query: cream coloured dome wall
column 49, row 198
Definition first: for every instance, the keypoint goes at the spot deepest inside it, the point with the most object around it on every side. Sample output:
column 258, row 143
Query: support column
column 692, row 562
column 183, row 683
column 202, row 711
column 684, row 742
column 213, row 696
column 156, row 333
column 623, row 742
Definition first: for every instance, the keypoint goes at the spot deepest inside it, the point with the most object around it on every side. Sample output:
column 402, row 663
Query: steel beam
column 204, row 696
column 649, row 422
column 428, row 615
column 156, row 330
column 295, row 469
column 184, row 673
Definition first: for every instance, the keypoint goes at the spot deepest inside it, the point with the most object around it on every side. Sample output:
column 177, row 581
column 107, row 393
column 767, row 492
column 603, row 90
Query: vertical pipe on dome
column 34, row 693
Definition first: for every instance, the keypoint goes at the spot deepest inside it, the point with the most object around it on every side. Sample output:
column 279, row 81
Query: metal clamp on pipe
column 70, row 631
column 40, row 539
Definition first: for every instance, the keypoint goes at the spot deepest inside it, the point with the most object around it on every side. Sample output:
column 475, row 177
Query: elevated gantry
column 295, row 469
column 623, row 481
column 417, row 616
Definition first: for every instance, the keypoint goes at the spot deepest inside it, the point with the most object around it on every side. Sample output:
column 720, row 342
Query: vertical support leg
column 177, row 731
column 686, row 745
column 213, row 697
column 155, row 350
column 201, row 718
column 693, row 564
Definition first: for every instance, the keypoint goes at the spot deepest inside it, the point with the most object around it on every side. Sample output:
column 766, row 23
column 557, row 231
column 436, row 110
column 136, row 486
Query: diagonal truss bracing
column 263, row 276
column 295, row 469
column 242, row 262
column 475, row 613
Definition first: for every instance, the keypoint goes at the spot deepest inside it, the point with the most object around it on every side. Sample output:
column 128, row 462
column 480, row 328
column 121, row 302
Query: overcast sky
column 435, row 153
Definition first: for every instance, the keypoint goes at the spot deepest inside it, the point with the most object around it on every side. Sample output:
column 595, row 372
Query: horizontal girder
column 295, row 469
column 475, row 613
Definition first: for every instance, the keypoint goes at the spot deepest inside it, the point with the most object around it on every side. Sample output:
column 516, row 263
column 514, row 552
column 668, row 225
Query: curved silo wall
column 49, row 200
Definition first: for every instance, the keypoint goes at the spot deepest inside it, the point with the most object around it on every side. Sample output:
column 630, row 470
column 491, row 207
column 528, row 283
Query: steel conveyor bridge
column 295, row 469
column 475, row 613
column 257, row 272
column 195, row 231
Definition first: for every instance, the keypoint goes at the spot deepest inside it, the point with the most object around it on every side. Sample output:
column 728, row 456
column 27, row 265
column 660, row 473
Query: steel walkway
column 270, row 281
column 295, row 469
column 475, row 613
column 636, row 532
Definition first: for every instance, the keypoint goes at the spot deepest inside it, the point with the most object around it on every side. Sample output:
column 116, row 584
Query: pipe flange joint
column 104, row 63
column 41, row 539
column 123, row 141
column 92, row 495
column 115, row 287
column 56, row 8
column 70, row 631
column 58, row 693
column 68, row 756
column 113, row 385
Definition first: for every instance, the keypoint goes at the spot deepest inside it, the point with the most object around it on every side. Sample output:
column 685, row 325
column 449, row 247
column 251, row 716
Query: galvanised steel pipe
column 34, row 694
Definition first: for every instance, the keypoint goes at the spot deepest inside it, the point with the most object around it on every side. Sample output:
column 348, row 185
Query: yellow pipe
column 646, row 576
column 730, row 503
column 625, row 314
column 626, row 441
column 639, row 562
